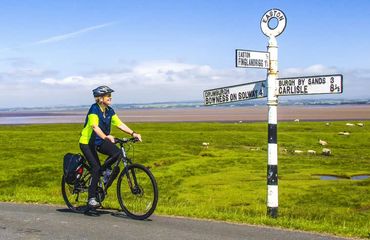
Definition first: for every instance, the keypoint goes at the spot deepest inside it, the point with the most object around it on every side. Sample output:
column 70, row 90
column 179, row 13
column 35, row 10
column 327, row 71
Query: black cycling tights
column 107, row 148
column 110, row 149
column 93, row 160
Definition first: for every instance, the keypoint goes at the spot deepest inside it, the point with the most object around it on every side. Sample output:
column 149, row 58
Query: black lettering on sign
column 244, row 54
column 242, row 61
column 305, row 89
column 286, row 90
column 256, row 62
column 217, row 99
column 217, row 92
column 287, row 82
column 301, row 81
column 317, row 80
column 251, row 62
column 247, row 95
column 233, row 97
column 260, row 93
column 275, row 13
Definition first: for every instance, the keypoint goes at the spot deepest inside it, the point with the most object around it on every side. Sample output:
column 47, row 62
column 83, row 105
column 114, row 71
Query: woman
column 96, row 136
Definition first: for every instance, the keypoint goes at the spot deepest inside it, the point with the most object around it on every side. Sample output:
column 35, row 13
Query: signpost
column 252, row 59
column 235, row 93
column 272, row 88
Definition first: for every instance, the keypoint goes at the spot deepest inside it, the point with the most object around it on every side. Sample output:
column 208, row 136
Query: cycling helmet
column 102, row 90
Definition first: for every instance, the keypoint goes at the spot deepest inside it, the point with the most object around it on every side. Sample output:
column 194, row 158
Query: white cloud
column 154, row 82
column 147, row 74
column 172, row 77
column 73, row 81
column 160, row 73
column 18, row 71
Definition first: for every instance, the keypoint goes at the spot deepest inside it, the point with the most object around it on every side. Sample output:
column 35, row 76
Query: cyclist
column 95, row 136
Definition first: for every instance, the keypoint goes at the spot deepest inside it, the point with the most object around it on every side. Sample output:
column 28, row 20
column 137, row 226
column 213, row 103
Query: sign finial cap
column 277, row 14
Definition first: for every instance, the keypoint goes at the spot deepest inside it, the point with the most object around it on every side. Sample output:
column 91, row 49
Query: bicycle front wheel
column 137, row 191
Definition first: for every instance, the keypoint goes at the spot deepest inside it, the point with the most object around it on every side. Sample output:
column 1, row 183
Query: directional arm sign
column 252, row 59
column 235, row 93
column 310, row 85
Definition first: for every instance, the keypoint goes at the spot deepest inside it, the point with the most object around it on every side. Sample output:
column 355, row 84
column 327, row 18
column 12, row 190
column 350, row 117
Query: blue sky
column 56, row 52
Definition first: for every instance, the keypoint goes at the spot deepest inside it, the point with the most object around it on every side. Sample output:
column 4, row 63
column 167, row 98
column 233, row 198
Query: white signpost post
column 272, row 102
column 272, row 88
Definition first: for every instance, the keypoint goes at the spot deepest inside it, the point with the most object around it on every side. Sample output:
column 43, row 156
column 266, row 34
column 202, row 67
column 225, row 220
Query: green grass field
column 226, row 181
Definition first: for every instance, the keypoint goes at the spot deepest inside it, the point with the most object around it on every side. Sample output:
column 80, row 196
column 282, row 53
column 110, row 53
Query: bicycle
column 137, row 190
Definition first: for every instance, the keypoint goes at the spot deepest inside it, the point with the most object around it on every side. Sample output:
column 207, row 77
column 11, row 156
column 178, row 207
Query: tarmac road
column 26, row 221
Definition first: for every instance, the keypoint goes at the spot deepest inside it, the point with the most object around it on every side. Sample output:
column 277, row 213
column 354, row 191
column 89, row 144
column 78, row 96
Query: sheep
column 296, row 120
column 326, row 151
column 311, row 152
column 350, row 124
column 360, row 124
column 255, row 149
column 344, row 133
column 322, row 142
column 298, row 151
column 327, row 124
column 205, row 144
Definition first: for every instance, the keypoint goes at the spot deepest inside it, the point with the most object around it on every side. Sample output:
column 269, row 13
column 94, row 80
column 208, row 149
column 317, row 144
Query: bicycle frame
column 125, row 160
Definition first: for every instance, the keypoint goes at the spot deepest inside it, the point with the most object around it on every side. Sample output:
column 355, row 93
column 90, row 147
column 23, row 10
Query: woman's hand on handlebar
column 137, row 135
column 110, row 138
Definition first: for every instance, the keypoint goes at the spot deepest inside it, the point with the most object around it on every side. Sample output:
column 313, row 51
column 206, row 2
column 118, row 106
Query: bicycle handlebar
column 126, row 140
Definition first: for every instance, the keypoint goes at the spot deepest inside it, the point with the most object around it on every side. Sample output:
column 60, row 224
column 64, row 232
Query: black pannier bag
column 71, row 163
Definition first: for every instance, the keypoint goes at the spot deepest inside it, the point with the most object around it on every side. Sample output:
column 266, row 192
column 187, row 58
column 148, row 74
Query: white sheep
column 298, row 151
column 255, row 149
column 322, row 142
column 311, row 151
column 326, row 151
column 350, row 124
column 360, row 124
column 344, row 133
column 205, row 144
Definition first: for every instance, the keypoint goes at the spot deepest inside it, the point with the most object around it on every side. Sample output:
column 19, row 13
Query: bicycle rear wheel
column 137, row 191
column 76, row 195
